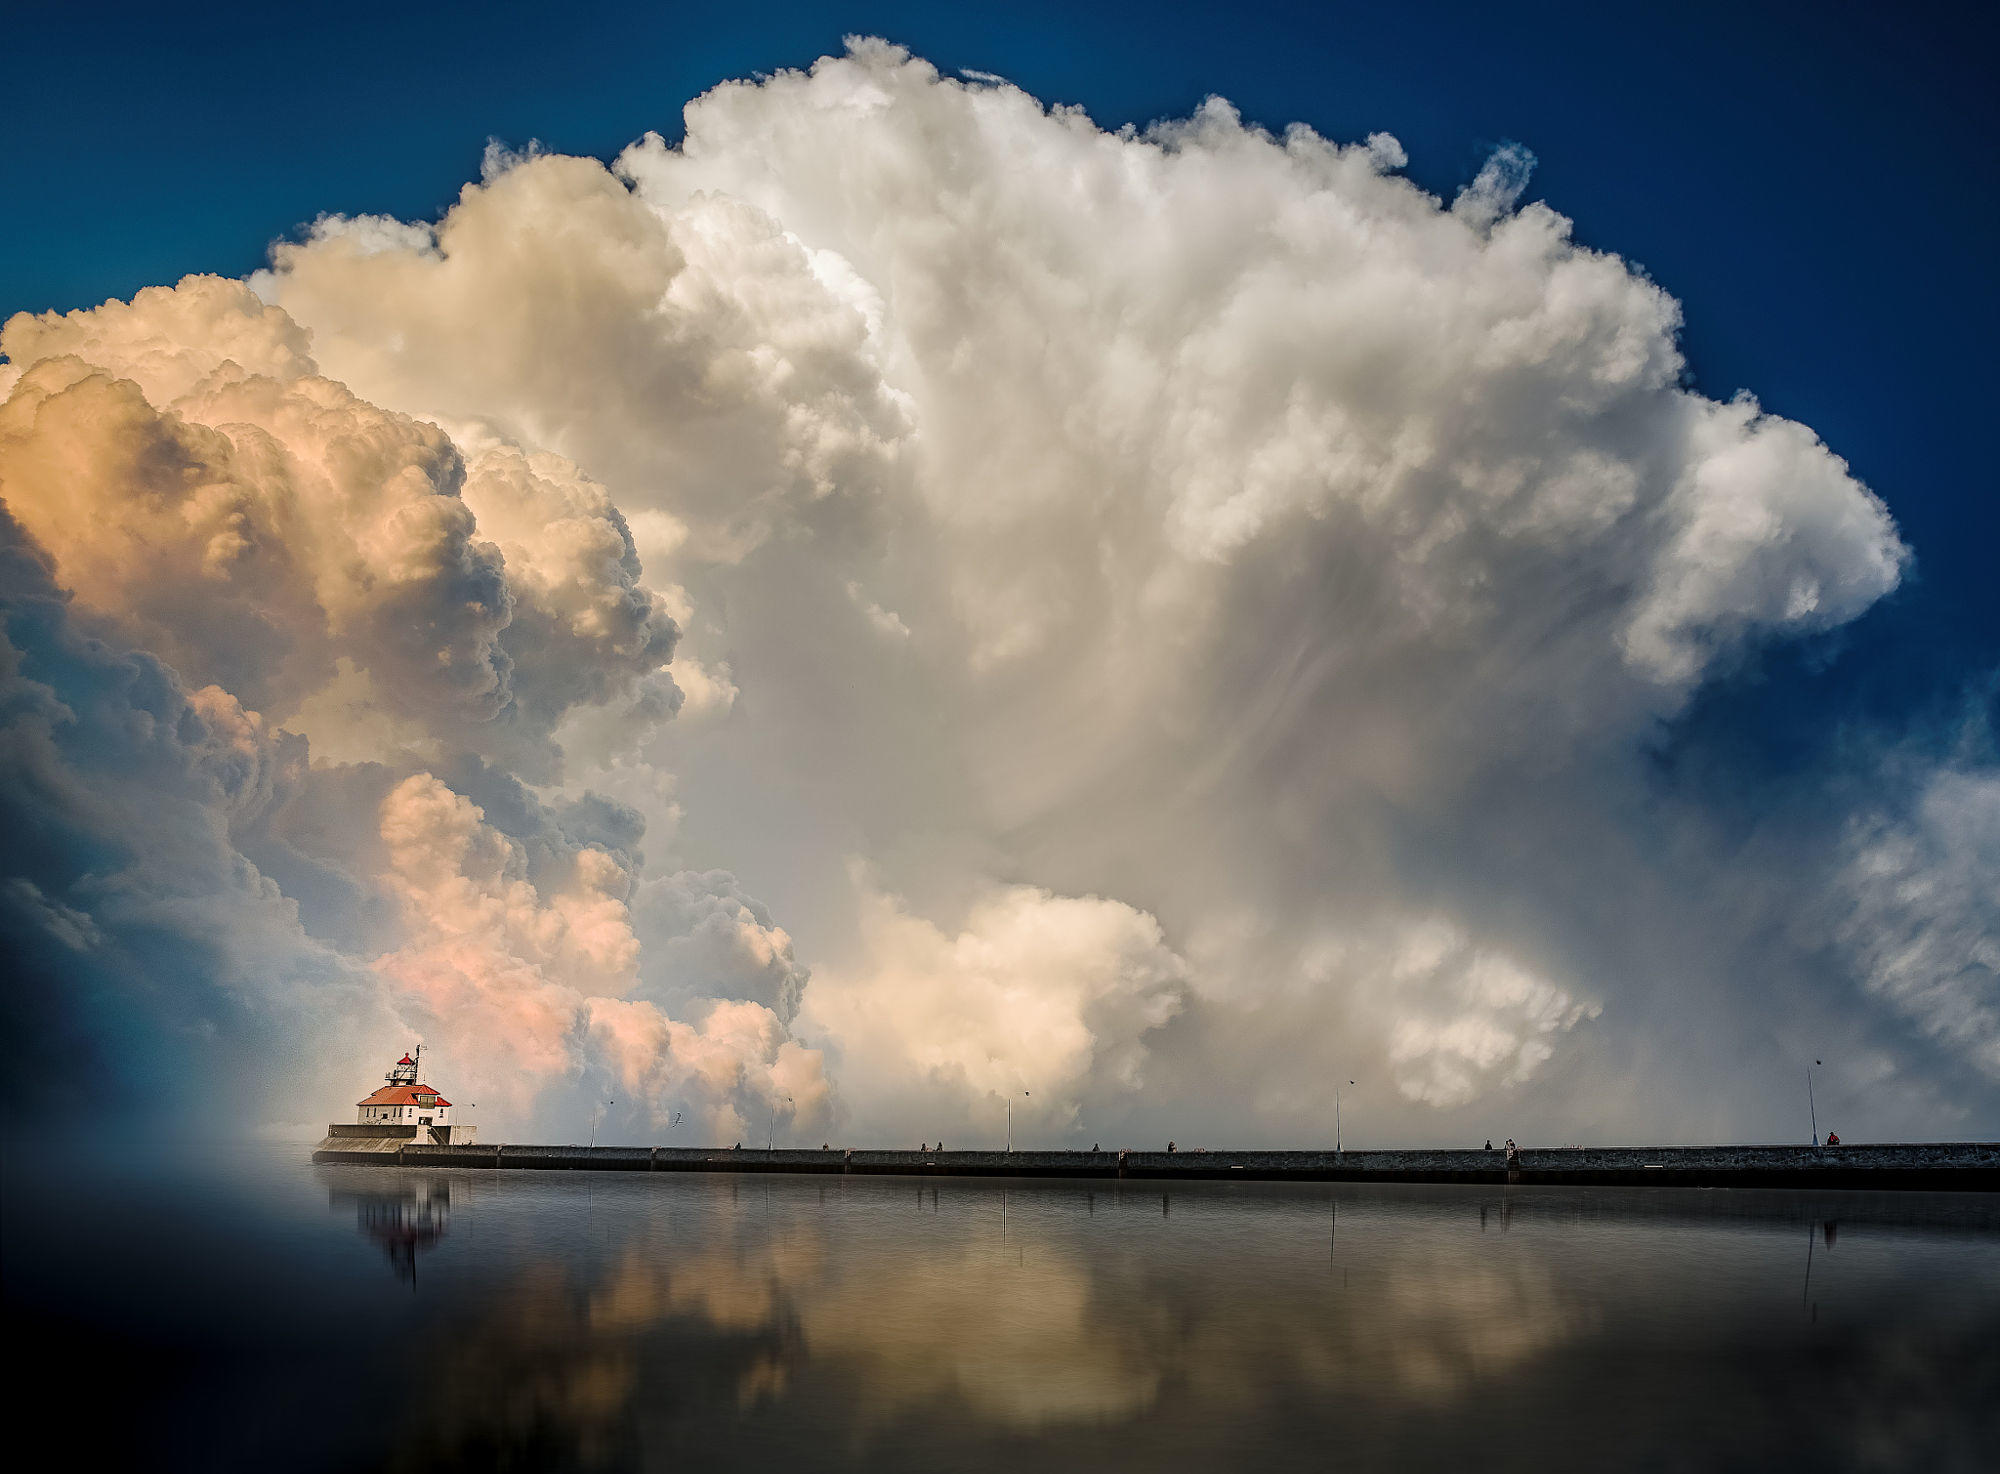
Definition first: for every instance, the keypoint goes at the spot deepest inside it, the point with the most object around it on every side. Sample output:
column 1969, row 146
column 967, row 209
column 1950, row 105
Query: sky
column 986, row 572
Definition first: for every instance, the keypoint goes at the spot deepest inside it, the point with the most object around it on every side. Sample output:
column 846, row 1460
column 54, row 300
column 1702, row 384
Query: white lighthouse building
column 407, row 1103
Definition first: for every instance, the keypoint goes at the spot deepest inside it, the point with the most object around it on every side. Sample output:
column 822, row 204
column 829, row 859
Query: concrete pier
column 1934, row 1166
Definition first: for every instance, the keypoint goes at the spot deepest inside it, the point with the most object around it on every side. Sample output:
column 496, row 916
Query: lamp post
column 596, row 1117
column 1811, row 1109
column 1336, row 1119
column 1010, row 1119
column 771, row 1131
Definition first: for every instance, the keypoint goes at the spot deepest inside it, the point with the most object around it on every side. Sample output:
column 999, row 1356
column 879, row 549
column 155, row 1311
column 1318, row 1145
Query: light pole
column 1811, row 1109
column 1010, row 1119
column 1336, row 1119
column 771, row 1131
column 596, row 1117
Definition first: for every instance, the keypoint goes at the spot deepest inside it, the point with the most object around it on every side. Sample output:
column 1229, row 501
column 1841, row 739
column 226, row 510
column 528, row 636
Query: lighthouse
column 405, row 1103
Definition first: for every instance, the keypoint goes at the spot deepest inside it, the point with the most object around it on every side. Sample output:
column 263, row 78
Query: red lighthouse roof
column 406, row 1060
column 405, row 1095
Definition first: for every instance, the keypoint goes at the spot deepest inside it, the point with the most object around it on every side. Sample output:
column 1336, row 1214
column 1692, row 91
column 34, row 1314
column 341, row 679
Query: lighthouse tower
column 406, row 1102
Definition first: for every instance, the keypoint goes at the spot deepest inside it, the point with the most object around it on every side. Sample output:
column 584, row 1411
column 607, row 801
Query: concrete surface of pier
column 1951, row 1166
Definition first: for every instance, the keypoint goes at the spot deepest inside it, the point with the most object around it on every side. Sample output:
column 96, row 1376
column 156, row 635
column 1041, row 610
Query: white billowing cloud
column 1201, row 424
column 1214, row 589
column 1467, row 1019
column 1138, row 361
column 1765, row 533
column 167, row 339
column 739, row 1056
column 321, row 524
column 1040, row 999
column 316, row 554
column 1191, row 517
column 722, row 375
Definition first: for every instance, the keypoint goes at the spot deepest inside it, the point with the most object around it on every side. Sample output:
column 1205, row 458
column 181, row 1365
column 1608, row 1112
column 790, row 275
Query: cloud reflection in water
column 852, row 1323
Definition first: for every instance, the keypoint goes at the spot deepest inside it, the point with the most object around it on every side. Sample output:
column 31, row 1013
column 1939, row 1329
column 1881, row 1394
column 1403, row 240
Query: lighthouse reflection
column 405, row 1219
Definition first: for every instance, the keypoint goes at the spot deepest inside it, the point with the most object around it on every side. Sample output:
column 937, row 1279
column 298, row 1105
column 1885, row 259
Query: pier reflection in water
column 610, row 1321
column 620, row 1322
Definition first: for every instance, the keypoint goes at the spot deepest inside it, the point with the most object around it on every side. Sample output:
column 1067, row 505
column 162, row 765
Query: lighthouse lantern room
column 405, row 1101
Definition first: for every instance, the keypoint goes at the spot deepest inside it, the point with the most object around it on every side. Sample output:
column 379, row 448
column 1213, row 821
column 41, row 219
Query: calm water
column 274, row 1315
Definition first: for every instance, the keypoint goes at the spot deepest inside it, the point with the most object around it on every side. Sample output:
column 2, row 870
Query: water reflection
column 406, row 1217
column 632, row 1323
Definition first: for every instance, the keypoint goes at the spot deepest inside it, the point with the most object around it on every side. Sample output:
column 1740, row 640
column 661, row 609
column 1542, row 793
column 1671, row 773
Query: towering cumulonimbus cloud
column 1170, row 620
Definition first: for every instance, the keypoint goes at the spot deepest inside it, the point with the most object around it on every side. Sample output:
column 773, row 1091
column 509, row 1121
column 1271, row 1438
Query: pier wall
column 1958, row 1166
column 372, row 1139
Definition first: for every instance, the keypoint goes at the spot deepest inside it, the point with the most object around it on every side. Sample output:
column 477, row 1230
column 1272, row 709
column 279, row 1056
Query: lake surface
column 262, row 1312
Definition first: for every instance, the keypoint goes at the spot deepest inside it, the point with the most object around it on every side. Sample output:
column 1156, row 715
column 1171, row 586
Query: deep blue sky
column 1815, row 182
